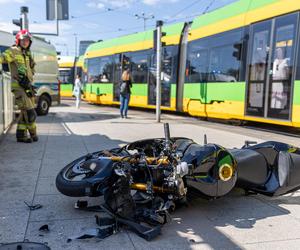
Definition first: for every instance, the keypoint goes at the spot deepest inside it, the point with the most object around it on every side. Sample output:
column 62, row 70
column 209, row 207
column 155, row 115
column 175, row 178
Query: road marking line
column 66, row 128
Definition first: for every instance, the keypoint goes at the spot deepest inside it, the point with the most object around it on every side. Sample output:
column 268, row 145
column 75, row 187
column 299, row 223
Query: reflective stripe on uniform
column 7, row 56
column 21, row 126
column 31, row 125
column 15, row 85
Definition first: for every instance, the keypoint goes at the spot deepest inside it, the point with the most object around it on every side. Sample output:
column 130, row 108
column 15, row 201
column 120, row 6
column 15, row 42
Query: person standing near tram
column 77, row 91
column 21, row 66
column 125, row 92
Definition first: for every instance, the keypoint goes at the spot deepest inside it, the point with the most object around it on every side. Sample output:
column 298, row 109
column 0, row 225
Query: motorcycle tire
column 78, row 188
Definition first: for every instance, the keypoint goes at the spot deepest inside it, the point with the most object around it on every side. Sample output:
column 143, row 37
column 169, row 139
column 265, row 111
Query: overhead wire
column 185, row 8
column 116, row 30
column 96, row 13
column 108, row 10
column 105, row 11
column 208, row 6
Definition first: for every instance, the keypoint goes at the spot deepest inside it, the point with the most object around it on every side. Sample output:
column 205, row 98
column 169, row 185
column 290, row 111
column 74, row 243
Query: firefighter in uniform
column 21, row 65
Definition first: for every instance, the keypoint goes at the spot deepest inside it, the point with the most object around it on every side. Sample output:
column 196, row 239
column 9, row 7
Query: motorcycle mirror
column 249, row 143
column 167, row 135
column 205, row 139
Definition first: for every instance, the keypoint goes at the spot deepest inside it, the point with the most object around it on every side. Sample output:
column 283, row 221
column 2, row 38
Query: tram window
column 212, row 59
column 79, row 71
column 138, row 64
column 139, row 69
column 93, row 69
column 298, row 65
column 283, row 55
column 66, row 75
column 282, row 65
column 100, row 69
column 106, row 69
column 223, row 67
column 169, row 63
column 197, row 66
column 117, row 68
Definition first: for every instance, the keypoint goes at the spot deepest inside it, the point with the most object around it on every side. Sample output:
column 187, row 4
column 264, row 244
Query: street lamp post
column 75, row 36
column 144, row 17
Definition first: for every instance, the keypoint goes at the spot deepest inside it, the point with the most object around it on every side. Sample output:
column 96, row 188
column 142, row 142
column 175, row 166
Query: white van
column 46, row 71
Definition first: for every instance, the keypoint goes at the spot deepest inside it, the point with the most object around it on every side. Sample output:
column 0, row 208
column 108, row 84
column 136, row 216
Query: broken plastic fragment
column 94, row 233
column 33, row 207
column 44, row 228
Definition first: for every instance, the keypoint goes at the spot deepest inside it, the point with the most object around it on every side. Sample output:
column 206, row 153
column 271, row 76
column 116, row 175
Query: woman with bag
column 77, row 91
column 125, row 92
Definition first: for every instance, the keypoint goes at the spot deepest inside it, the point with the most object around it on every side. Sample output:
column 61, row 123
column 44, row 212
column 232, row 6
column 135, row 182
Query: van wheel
column 43, row 105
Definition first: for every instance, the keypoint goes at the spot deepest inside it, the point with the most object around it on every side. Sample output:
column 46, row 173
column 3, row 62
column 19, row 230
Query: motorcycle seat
column 252, row 166
column 182, row 145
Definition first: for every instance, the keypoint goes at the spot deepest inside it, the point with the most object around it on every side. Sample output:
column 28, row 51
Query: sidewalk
column 28, row 172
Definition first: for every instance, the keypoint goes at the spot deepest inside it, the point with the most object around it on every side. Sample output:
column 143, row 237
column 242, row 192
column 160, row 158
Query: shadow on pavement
column 78, row 117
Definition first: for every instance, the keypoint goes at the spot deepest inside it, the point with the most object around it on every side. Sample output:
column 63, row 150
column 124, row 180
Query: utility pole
column 75, row 36
column 22, row 22
column 56, row 16
column 76, row 58
column 158, row 68
column 144, row 17
column 24, row 18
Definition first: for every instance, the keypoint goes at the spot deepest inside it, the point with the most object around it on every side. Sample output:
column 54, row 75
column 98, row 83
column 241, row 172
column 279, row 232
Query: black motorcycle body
column 270, row 168
column 144, row 180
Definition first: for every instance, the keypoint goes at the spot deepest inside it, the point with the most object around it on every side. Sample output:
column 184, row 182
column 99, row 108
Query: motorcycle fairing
column 206, row 161
column 270, row 168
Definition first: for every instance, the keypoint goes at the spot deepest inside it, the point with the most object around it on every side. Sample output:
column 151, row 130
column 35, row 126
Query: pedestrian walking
column 77, row 91
column 125, row 92
column 21, row 66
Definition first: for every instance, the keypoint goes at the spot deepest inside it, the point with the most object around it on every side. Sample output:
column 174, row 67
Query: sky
column 102, row 19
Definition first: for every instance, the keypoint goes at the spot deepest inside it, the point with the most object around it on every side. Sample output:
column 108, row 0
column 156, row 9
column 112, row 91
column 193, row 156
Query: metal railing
column 6, row 102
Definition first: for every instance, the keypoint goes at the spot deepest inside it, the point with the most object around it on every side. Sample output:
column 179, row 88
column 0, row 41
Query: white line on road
column 66, row 128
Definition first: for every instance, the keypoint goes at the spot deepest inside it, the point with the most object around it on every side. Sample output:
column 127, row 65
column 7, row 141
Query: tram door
column 117, row 76
column 269, row 89
column 165, row 81
column 152, row 81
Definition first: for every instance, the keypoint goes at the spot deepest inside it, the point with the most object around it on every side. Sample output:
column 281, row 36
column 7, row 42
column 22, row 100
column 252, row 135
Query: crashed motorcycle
column 145, row 180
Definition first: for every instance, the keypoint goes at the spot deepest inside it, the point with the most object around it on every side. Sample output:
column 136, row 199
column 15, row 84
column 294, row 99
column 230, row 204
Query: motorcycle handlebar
column 149, row 160
column 167, row 135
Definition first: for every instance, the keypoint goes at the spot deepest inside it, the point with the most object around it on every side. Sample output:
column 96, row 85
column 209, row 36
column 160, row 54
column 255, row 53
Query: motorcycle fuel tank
column 214, row 170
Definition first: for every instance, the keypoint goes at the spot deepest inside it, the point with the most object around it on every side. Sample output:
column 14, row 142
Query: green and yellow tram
column 239, row 62
column 69, row 66
column 66, row 66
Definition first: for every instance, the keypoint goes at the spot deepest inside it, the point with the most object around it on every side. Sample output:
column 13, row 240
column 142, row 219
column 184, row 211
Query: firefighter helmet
column 23, row 34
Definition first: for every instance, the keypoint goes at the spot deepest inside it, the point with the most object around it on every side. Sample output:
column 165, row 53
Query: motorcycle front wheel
column 73, row 180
